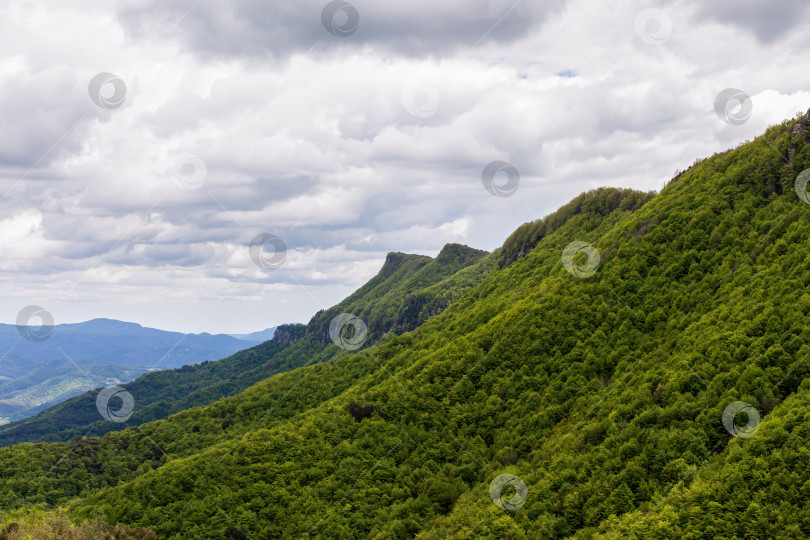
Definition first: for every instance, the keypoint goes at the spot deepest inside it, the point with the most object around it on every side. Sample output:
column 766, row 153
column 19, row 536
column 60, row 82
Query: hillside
column 48, row 385
column 407, row 291
column 75, row 358
column 602, row 390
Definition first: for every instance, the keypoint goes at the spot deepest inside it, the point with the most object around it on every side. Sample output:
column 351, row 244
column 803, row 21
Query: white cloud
column 347, row 148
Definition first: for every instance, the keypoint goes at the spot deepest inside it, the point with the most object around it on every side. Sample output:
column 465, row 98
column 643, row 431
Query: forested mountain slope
column 406, row 292
column 624, row 398
column 69, row 359
column 156, row 395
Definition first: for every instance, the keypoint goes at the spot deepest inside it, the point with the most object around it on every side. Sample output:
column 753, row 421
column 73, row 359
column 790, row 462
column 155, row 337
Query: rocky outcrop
column 287, row 334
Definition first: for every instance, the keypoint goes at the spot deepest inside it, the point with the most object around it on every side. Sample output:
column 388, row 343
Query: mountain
column 633, row 366
column 75, row 358
column 406, row 292
column 260, row 336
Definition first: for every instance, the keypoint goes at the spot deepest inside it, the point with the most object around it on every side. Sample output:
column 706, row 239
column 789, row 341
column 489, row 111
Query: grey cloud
column 265, row 190
column 80, row 251
column 254, row 28
column 323, row 151
column 39, row 115
column 768, row 21
column 152, row 254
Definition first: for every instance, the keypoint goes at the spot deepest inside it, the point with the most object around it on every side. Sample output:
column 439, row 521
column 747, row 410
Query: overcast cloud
column 251, row 117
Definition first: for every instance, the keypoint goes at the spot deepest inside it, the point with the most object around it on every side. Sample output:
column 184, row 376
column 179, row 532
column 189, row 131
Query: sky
column 204, row 166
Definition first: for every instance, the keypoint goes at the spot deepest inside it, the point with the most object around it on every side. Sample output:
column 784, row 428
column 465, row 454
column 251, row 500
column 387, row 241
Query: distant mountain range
column 79, row 357
column 408, row 290
column 260, row 336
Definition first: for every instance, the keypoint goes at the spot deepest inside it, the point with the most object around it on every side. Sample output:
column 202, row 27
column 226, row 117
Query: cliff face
column 287, row 334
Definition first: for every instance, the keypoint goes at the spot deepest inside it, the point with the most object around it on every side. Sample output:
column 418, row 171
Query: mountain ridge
column 404, row 277
column 604, row 392
column 260, row 336
column 76, row 357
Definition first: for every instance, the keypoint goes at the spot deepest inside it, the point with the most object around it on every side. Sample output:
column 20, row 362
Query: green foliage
column 604, row 395
column 157, row 395
column 587, row 209
column 58, row 526
column 407, row 291
column 38, row 389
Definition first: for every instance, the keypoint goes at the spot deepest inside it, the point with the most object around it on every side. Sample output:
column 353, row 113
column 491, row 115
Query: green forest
column 652, row 385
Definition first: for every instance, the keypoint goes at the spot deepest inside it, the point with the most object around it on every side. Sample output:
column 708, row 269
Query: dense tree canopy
column 408, row 290
column 606, row 396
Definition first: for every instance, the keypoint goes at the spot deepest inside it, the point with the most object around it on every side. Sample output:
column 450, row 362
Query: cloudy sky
column 145, row 144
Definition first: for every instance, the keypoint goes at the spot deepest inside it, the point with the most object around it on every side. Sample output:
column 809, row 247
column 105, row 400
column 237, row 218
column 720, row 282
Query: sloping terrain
column 46, row 386
column 603, row 390
column 70, row 359
column 406, row 292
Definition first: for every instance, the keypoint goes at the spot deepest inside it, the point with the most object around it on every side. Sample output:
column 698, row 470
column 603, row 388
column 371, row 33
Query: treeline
column 408, row 290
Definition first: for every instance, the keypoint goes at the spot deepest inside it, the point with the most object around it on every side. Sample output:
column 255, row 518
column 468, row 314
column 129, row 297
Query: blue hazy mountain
column 260, row 336
column 78, row 357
